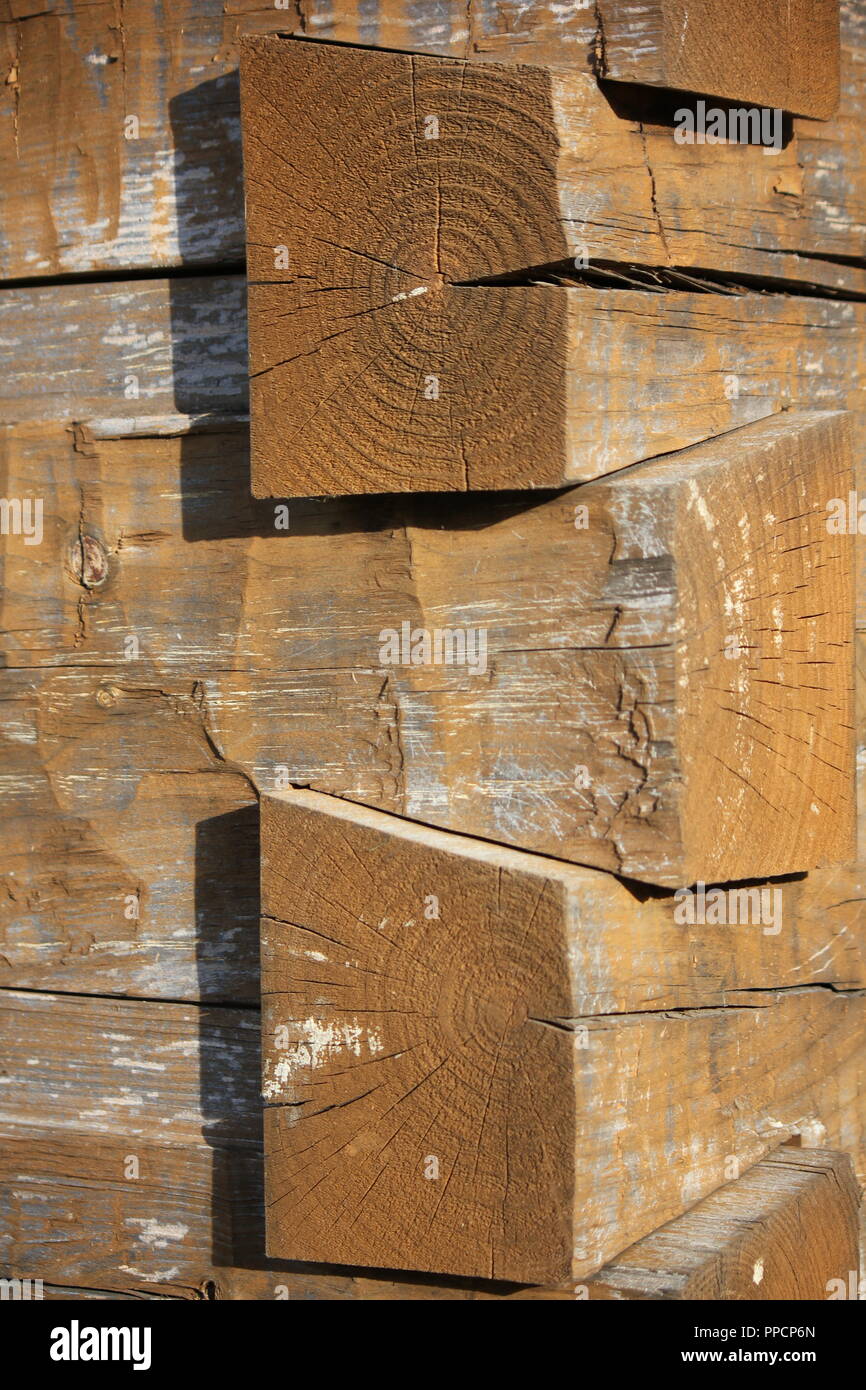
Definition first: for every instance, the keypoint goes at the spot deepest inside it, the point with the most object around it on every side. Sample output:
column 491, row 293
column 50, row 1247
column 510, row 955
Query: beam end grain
column 379, row 360
column 421, row 991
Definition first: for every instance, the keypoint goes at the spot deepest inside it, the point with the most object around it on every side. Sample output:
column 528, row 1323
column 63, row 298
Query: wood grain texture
column 140, row 777
column 755, row 51
column 174, row 348
column 785, row 1230
column 404, row 1053
column 113, row 796
column 377, row 363
column 182, row 346
column 718, row 361
column 130, row 849
column 175, row 1087
column 85, row 197
column 610, row 669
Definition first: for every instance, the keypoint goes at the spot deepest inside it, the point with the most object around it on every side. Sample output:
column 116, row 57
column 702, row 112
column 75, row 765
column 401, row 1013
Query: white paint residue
column 409, row 294
column 136, row 1064
column 698, row 501
column 155, row 1234
column 758, row 1272
column 149, row 1277
column 812, row 1133
column 282, row 1072
column 320, row 1040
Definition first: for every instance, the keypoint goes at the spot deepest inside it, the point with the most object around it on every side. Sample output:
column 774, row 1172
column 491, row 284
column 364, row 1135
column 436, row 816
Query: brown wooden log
column 181, row 346
column 379, row 362
column 422, row 992
column 604, row 656
column 120, row 772
column 754, row 51
column 153, row 358
column 129, row 854
column 85, row 197
column 72, row 1212
column 94, row 1082
column 786, row 1230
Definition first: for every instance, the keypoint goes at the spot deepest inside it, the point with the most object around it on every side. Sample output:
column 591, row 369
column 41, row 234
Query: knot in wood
column 88, row 561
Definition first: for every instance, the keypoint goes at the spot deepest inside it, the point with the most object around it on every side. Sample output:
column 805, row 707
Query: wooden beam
column 379, row 361
column 115, row 804
column 422, row 991
column 87, row 1094
column 120, row 197
column 181, row 345
column 151, row 358
column 786, row 1230
column 755, row 51
column 599, row 649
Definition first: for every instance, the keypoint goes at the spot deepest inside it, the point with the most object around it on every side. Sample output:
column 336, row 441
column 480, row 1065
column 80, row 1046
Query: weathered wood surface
column 181, row 346
column 755, row 51
column 664, row 960
column 377, row 363
column 116, row 800
column 786, row 1230
column 95, row 1082
column 191, row 1226
column 177, row 349
column 146, row 348
column 120, row 800
column 129, row 849
column 86, row 197
column 90, row 751
column 421, row 992
column 611, row 685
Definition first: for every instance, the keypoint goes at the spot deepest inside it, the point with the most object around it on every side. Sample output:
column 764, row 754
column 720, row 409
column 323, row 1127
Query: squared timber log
column 446, row 1089
column 687, row 713
column 627, row 646
column 787, row 1229
column 382, row 359
column 128, row 221
column 758, row 51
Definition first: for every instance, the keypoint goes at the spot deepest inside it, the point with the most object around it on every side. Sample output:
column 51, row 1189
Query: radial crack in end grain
column 381, row 188
column 684, row 711
column 758, row 51
column 465, row 1064
column 649, row 674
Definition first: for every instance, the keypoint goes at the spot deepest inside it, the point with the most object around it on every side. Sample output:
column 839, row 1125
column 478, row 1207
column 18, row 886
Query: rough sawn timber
column 84, row 197
column 162, row 358
column 755, row 51
column 785, row 1230
column 378, row 361
column 611, row 657
column 421, row 992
